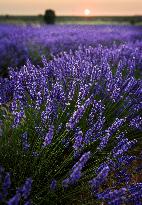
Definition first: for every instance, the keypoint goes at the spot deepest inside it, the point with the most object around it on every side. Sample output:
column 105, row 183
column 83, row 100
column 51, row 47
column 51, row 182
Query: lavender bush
column 72, row 125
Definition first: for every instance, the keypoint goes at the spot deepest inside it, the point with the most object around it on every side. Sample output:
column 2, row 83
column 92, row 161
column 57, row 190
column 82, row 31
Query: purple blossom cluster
column 100, row 178
column 77, row 115
column 49, row 136
column 26, row 145
column 123, row 145
column 75, row 174
column 136, row 122
column 78, row 139
column 22, row 193
column 128, row 195
column 110, row 131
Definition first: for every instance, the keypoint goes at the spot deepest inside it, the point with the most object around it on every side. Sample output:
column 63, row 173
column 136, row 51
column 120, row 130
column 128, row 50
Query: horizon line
column 67, row 15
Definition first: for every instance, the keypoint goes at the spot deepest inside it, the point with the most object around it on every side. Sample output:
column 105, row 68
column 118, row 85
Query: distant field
column 74, row 19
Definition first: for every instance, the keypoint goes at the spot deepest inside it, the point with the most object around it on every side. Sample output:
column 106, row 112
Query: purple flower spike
column 100, row 178
column 53, row 184
column 26, row 189
column 14, row 200
column 6, row 184
column 75, row 174
column 78, row 140
column 49, row 136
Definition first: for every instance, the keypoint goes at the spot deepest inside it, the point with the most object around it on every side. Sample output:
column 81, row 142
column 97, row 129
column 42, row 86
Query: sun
column 87, row 12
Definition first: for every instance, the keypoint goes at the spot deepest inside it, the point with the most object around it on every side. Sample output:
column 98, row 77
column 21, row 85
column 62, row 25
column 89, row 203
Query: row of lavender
column 71, row 127
column 17, row 43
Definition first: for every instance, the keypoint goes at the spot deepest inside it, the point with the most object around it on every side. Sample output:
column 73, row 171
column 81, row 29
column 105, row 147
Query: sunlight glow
column 87, row 12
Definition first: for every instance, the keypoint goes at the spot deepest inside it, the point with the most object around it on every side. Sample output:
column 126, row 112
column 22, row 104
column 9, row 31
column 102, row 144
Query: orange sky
column 72, row 7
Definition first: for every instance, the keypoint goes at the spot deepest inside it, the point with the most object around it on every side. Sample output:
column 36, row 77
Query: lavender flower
column 26, row 189
column 49, row 136
column 110, row 131
column 14, row 200
column 53, row 184
column 100, row 178
column 78, row 141
column 127, row 195
column 136, row 122
column 76, row 170
column 6, row 184
column 113, row 197
column 26, row 145
column 78, row 114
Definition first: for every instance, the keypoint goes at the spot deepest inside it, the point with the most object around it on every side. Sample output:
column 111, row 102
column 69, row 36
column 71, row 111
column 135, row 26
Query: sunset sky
column 72, row 7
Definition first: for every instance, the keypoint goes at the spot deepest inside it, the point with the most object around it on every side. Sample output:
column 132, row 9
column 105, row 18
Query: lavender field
column 70, row 115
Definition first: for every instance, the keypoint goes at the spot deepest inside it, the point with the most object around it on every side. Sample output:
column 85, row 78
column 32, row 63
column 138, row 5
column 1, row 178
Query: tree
column 49, row 16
